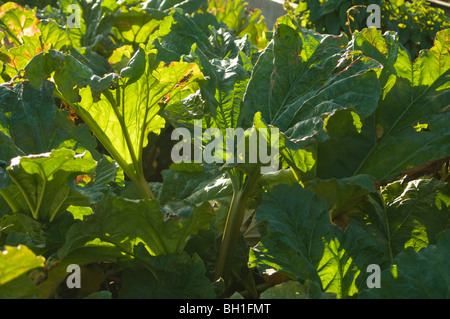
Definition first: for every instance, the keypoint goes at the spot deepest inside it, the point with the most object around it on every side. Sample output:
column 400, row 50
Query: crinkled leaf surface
column 406, row 216
column 303, row 77
column 414, row 93
column 218, row 103
column 341, row 194
column 172, row 276
column 303, row 244
column 92, row 18
column 224, row 91
column 125, row 222
column 176, row 35
column 417, row 275
column 34, row 125
column 68, row 73
column 194, row 186
column 123, row 118
column 46, row 180
column 120, row 110
column 312, row 89
column 299, row 83
column 136, row 25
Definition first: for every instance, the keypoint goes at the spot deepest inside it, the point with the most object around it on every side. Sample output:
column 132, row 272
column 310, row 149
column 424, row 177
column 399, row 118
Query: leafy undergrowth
column 87, row 124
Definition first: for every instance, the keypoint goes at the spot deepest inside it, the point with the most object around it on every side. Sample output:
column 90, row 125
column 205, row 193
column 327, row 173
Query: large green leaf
column 132, row 108
column 311, row 88
column 303, row 244
column 408, row 215
column 125, row 222
column 136, row 25
column 225, row 89
column 410, row 125
column 191, row 184
column 341, row 194
column 42, row 236
column 221, row 96
column 91, row 19
column 417, row 275
column 68, row 73
column 302, row 93
column 176, row 35
column 34, row 125
column 194, row 184
column 46, row 180
column 120, row 110
column 52, row 35
column 166, row 277
column 303, row 77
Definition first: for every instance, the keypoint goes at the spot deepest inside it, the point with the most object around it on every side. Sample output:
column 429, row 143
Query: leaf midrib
column 391, row 130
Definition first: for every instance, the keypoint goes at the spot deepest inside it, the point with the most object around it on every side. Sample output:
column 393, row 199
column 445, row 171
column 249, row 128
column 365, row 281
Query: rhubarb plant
column 129, row 100
column 291, row 162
